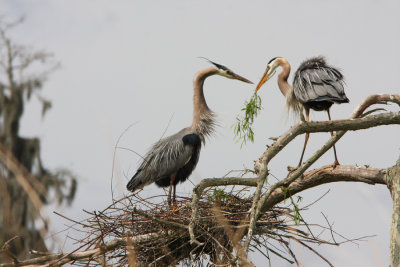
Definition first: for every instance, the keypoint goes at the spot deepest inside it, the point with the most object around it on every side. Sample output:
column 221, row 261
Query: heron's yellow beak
column 265, row 77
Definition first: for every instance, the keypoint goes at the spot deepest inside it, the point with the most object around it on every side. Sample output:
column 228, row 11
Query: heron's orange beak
column 240, row 78
column 263, row 80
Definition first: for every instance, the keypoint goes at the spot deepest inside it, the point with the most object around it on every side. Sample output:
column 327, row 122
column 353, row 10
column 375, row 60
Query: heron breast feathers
column 192, row 140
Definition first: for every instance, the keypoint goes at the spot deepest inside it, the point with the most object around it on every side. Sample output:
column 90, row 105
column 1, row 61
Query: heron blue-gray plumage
column 316, row 85
column 172, row 159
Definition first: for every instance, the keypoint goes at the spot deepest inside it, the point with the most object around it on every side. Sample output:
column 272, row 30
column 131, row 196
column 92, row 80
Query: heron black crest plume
column 272, row 60
column 219, row 66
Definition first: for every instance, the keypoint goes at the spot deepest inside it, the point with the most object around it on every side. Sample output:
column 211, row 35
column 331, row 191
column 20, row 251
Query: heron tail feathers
column 136, row 182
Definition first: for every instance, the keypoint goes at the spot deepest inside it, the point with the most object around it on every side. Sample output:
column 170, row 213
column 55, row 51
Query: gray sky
column 134, row 61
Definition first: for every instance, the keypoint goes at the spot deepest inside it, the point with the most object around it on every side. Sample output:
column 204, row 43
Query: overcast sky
column 127, row 62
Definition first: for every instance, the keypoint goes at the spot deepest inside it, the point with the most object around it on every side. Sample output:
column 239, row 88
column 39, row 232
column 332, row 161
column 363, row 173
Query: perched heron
column 316, row 86
column 172, row 159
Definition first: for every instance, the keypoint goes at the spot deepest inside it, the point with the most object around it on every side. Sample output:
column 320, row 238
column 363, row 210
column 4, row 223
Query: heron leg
column 171, row 185
column 174, row 195
column 336, row 163
column 307, row 136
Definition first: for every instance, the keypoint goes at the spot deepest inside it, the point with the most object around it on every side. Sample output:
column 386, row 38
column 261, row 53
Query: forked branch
column 300, row 128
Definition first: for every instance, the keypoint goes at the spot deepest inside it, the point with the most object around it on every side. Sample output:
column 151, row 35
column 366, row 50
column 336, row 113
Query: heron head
column 272, row 65
column 226, row 72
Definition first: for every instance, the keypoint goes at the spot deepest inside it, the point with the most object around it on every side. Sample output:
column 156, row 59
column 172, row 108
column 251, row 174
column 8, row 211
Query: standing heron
column 316, row 86
column 172, row 159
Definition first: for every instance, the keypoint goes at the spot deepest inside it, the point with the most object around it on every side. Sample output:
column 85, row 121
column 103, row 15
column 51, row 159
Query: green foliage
column 218, row 195
column 296, row 215
column 285, row 192
column 296, row 211
column 242, row 128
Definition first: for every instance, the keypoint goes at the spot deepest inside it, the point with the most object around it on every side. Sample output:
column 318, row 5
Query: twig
column 313, row 250
column 174, row 224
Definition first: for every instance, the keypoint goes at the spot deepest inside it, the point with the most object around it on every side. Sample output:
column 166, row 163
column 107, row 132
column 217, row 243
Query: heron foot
column 335, row 164
column 174, row 207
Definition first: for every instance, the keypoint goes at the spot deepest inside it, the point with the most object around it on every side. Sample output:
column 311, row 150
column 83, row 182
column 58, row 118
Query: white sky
column 134, row 61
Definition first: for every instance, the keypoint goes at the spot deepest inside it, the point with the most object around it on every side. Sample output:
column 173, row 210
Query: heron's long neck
column 287, row 90
column 283, row 84
column 203, row 118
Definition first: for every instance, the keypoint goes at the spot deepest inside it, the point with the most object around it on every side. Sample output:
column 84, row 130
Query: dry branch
column 62, row 258
column 273, row 150
column 31, row 185
column 324, row 175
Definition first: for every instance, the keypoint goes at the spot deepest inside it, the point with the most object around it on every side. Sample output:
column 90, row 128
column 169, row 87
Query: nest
column 135, row 230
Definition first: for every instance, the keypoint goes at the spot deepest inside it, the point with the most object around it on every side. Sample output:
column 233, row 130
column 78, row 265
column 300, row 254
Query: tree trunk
column 394, row 186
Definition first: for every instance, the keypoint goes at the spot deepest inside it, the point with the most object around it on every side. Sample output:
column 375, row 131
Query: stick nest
column 155, row 235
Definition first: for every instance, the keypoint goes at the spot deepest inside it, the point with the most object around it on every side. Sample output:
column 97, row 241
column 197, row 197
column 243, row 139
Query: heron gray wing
column 319, row 83
column 164, row 158
column 183, row 173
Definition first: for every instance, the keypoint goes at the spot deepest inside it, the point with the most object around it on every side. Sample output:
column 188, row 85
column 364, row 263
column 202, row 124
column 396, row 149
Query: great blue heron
column 316, row 86
column 172, row 159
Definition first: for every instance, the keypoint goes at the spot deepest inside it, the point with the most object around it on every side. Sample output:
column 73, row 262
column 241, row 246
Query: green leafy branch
column 242, row 128
column 296, row 215
column 218, row 195
column 296, row 211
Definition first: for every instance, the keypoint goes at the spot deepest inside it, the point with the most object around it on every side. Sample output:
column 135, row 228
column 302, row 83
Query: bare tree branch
column 31, row 185
column 81, row 255
column 324, row 175
column 282, row 141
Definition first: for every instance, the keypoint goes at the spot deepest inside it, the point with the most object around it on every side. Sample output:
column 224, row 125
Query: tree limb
column 63, row 258
column 272, row 151
column 31, row 185
column 394, row 186
column 324, row 175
